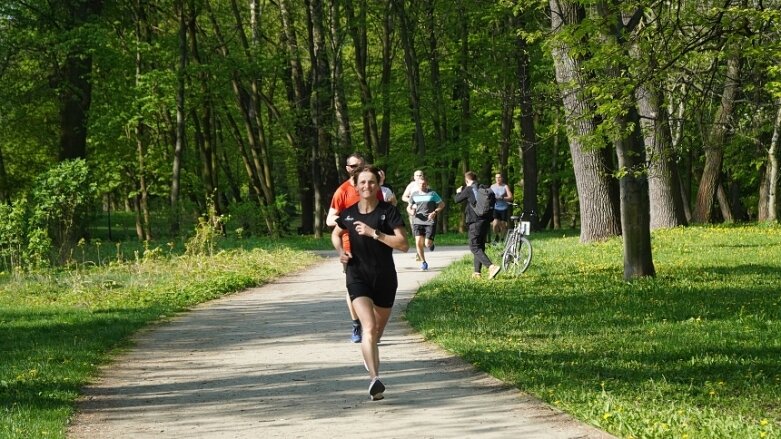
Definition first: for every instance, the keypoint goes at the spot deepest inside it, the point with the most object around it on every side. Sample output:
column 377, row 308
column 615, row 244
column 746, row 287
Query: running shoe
column 431, row 247
column 424, row 266
column 494, row 270
column 376, row 389
column 356, row 337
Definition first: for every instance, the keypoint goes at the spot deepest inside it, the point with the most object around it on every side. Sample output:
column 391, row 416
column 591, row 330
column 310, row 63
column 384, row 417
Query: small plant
column 207, row 232
column 97, row 249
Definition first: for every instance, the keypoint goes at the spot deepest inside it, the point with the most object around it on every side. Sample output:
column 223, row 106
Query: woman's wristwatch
column 377, row 234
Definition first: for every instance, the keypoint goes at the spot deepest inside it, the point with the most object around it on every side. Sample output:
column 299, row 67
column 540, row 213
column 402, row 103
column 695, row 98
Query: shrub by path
column 276, row 362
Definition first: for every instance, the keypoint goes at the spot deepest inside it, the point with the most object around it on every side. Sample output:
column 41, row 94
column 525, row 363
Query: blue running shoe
column 356, row 337
column 424, row 266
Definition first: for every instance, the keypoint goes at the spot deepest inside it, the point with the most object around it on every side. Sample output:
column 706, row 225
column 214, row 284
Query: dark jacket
column 468, row 195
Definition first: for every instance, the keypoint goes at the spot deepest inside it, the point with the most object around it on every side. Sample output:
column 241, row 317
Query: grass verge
column 692, row 353
column 57, row 327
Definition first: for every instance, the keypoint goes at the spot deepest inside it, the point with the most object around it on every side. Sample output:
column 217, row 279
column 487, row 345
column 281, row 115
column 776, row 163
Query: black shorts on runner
column 502, row 215
column 424, row 230
column 381, row 290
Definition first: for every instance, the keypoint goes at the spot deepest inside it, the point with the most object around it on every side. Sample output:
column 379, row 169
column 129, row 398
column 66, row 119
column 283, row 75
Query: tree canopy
column 615, row 117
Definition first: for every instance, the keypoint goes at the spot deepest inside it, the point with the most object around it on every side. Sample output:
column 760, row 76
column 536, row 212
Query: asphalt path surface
column 276, row 362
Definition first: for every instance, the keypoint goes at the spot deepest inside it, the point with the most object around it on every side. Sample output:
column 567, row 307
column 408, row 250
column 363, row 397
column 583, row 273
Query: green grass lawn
column 693, row 353
column 56, row 328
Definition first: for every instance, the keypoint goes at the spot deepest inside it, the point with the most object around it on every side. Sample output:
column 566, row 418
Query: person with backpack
column 480, row 201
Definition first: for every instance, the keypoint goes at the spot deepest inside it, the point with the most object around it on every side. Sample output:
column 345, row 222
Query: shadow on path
column 276, row 361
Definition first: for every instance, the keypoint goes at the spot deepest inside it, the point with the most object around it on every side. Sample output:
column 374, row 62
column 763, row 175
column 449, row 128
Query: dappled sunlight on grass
column 695, row 351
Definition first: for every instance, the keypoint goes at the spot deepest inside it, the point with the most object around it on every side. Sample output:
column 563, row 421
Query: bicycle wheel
column 510, row 247
column 517, row 257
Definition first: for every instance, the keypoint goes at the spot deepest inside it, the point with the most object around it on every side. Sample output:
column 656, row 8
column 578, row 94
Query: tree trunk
column 298, row 99
column 630, row 150
column 75, row 85
column 5, row 195
column 140, row 234
column 769, row 187
column 664, row 193
column 439, row 112
column 599, row 214
column 75, row 96
column 528, row 145
column 224, row 163
column 676, row 132
column 203, row 129
column 320, row 114
column 247, row 101
column 261, row 146
column 249, row 167
column 412, row 70
column 356, row 25
column 341, row 112
column 724, row 204
column 140, row 129
column 714, row 147
column 635, row 206
column 555, row 185
column 180, row 119
column 506, row 128
column 385, row 80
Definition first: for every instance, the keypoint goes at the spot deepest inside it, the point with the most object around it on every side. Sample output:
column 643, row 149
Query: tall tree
column 357, row 27
column 298, row 96
column 769, row 187
column 143, row 220
column 528, row 143
column 341, row 111
column 616, row 24
column 73, row 78
column 599, row 212
column 714, row 144
column 321, row 114
column 180, row 117
column 412, row 71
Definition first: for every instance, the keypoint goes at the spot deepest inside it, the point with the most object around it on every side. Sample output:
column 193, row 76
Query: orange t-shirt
column 345, row 196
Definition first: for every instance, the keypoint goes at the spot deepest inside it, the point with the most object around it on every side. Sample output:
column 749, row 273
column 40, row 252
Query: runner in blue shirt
column 424, row 206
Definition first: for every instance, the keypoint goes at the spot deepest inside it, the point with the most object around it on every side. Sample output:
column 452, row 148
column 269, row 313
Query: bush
column 49, row 217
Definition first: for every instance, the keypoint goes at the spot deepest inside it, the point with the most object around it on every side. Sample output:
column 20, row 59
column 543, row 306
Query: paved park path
column 276, row 362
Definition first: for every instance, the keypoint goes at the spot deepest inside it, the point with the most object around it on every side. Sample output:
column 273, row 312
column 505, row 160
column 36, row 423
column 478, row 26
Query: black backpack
column 485, row 199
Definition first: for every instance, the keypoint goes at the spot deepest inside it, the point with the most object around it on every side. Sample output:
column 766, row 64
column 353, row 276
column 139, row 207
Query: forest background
column 614, row 117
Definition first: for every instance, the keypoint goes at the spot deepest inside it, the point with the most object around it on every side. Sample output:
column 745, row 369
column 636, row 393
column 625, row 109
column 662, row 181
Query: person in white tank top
column 504, row 196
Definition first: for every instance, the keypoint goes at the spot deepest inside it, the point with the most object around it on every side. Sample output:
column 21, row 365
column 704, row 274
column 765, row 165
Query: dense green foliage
column 692, row 353
column 265, row 112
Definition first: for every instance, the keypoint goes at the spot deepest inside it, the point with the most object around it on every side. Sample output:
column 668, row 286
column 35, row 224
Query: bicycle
column 517, row 254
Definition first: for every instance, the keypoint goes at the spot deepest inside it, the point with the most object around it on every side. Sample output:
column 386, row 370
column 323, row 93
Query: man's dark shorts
column 423, row 230
column 502, row 215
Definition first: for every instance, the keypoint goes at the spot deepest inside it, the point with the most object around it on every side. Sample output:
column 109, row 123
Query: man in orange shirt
column 345, row 196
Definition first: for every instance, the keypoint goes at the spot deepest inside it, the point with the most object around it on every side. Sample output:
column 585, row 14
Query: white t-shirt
column 410, row 189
